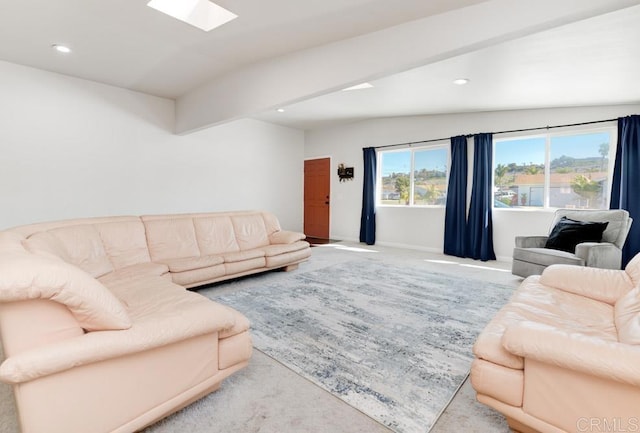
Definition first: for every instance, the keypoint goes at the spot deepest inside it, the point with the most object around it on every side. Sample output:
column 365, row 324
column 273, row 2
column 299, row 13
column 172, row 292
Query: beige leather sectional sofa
column 98, row 330
column 564, row 354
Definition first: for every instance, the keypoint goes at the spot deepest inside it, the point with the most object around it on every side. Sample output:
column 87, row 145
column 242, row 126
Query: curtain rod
column 411, row 143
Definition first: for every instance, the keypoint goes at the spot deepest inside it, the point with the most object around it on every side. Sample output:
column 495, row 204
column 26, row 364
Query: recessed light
column 461, row 81
column 359, row 87
column 202, row 14
column 61, row 48
column 280, row 110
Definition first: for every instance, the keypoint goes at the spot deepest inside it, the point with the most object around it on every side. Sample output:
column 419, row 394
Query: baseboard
column 506, row 259
column 410, row 247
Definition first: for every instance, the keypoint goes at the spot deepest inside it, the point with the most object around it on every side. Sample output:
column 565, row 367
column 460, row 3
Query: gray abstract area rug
column 394, row 342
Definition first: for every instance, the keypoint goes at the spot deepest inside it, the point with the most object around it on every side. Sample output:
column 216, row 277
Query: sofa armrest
column 156, row 331
column 610, row 360
column 604, row 285
column 285, row 237
column 531, row 241
column 600, row 255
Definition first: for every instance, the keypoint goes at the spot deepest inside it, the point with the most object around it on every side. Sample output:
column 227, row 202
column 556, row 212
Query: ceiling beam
column 313, row 72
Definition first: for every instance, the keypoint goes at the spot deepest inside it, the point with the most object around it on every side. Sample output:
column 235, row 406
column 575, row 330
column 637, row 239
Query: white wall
column 74, row 148
column 423, row 228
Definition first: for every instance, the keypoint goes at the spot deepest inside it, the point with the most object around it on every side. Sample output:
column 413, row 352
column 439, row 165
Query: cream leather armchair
column 530, row 257
column 563, row 355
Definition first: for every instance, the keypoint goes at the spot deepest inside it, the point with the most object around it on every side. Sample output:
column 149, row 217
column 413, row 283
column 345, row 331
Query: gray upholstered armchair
column 530, row 257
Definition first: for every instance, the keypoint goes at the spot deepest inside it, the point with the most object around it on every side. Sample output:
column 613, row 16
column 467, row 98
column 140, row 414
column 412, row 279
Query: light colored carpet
column 392, row 341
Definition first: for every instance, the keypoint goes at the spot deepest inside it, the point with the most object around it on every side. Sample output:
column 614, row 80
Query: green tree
column 402, row 187
column 585, row 187
column 604, row 153
column 533, row 169
column 431, row 194
column 563, row 161
column 500, row 173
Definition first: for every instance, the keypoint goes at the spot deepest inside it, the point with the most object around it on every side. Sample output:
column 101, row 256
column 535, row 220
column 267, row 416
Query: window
column 413, row 177
column 553, row 170
column 519, row 171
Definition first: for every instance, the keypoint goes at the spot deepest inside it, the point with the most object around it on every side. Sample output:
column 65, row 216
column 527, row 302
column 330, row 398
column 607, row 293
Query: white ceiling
column 127, row 44
column 590, row 62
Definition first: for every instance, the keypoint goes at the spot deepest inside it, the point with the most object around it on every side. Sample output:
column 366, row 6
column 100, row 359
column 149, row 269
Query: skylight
column 202, row 14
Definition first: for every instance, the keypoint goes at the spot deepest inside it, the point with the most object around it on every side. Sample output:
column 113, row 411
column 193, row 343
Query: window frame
column 548, row 136
column 413, row 150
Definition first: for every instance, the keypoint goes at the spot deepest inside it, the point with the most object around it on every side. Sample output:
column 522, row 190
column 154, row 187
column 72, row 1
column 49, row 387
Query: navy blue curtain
column 625, row 187
column 368, row 217
column 479, row 223
column 455, row 219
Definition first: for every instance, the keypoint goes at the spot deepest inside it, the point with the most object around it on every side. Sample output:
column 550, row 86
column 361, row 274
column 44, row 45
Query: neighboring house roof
column 557, row 178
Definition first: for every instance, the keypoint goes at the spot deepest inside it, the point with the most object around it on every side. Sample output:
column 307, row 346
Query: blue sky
column 520, row 151
column 400, row 162
column 531, row 150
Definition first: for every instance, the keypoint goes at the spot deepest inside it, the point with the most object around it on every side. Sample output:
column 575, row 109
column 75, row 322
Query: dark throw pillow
column 568, row 233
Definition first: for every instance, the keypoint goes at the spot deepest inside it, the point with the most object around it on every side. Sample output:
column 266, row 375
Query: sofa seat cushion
column 546, row 256
column 288, row 258
column 173, row 303
column 286, row 237
column 241, row 324
column 198, row 277
column 244, row 266
column 275, row 250
column 139, row 270
column 534, row 302
column 191, row 263
column 502, row 383
column 241, row 256
column 234, row 351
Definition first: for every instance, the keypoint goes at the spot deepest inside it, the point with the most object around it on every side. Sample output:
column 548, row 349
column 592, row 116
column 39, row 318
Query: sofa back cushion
column 80, row 245
column 271, row 223
column 29, row 276
column 216, row 235
column 125, row 243
column 11, row 242
column 627, row 317
column 250, row 231
column 171, row 238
